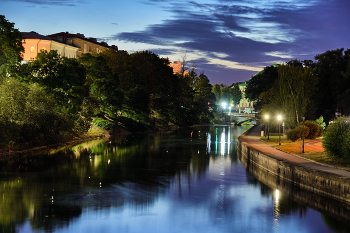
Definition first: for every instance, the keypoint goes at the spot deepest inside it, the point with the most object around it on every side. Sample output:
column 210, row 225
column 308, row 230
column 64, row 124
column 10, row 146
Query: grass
column 315, row 152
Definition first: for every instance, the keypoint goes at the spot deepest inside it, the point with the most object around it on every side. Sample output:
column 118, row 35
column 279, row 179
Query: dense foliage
column 312, row 130
column 290, row 94
column 336, row 139
column 303, row 88
column 54, row 98
column 10, row 45
column 113, row 90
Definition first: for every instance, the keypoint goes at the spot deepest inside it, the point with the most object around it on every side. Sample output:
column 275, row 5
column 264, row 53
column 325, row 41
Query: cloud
column 49, row 2
column 248, row 35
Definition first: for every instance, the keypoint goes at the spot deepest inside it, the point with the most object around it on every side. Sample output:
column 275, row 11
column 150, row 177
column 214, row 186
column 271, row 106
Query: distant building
column 85, row 45
column 33, row 43
column 176, row 66
column 245, row 105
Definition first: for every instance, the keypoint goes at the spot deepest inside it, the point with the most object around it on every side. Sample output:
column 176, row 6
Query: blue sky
column 228, row 40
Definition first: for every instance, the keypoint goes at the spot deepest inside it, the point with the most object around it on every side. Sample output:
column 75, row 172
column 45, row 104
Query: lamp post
column 279, row 128
column 268, row 130
column 302, row 151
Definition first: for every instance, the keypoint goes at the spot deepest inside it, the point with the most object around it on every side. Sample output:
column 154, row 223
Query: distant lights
column 223, row 105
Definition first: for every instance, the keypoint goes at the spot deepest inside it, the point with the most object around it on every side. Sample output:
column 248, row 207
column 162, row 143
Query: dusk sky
column 229, row 40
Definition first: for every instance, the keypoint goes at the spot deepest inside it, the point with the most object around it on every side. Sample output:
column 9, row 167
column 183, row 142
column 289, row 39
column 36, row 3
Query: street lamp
column 302, row 151
column 279, row 128
column 223, row 105
column 268, row 130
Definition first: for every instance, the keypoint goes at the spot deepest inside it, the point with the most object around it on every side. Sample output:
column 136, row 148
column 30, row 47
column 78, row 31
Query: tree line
column 306, row 88
column 53, row 99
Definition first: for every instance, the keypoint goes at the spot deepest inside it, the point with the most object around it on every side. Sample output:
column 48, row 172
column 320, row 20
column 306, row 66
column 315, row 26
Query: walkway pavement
column 252, row 139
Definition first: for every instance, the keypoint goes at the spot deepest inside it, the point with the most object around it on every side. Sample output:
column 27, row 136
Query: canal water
column 188, row 180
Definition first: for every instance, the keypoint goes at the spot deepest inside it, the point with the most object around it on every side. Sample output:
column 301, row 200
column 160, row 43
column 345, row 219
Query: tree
column 236, row 93
column 103, row 86
column 10, row 44
column 329, row 68
column 62, row 77
column 291, row 94
column 225, row 94
column 13, row 100
column 217, row 92
column 260, row 83
column 28, row 115
column 203, row 97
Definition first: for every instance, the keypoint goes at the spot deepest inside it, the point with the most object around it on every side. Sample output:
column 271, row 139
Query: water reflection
column 190, row 180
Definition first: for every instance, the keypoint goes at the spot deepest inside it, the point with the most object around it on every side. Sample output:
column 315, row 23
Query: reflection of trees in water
column 50, row 216
column 133, row 170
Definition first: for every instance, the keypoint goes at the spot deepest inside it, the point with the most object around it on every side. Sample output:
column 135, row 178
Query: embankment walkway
column 309, row 174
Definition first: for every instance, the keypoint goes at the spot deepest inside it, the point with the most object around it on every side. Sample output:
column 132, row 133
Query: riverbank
column 316, row 177
column 313, row 150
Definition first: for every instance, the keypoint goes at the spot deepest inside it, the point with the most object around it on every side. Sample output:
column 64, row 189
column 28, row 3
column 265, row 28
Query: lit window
column 43, row 49
column 32, row 49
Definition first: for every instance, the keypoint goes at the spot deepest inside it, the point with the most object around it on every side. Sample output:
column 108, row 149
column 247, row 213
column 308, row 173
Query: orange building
column 33, row 43
column 176, row 66
column 85, row 45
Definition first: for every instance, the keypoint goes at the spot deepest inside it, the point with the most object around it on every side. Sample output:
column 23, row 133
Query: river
column 188, row 180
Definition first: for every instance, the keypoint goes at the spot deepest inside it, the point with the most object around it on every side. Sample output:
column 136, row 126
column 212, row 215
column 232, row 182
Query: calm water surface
column 190, row 180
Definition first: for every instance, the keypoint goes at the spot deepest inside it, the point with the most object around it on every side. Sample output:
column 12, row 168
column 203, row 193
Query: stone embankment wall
column 317, row 181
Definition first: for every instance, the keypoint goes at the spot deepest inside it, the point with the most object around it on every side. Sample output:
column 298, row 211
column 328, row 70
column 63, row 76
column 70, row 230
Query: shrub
column 336, row 139
column 306, row 130
column 294, row 134
column 315, row 129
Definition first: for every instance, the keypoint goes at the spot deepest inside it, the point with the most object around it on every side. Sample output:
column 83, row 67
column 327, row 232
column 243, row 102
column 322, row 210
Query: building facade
column 176, row 66
column 245, row 105
column 33, row 43
column 84, row 45
column 66, row 45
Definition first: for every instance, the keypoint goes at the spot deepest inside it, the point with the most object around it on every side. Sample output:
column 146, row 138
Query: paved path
column 316, row 145
column 252, row 138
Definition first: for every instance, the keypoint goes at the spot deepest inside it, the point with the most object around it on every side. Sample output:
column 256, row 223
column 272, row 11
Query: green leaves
column 336, row 139
column 291, row 94
column 29, row 111
column 64, row 78
column 10, row 45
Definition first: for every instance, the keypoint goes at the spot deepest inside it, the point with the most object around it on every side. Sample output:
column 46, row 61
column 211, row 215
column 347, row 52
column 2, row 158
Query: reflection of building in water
column 223, row 141
column 208, row 142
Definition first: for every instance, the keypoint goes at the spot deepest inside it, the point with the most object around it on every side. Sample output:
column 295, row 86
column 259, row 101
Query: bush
column 294, row 134
column 336, row 139
column 315, row 130
column 306, row 130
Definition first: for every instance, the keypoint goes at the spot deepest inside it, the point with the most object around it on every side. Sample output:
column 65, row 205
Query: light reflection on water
column 190, row 180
